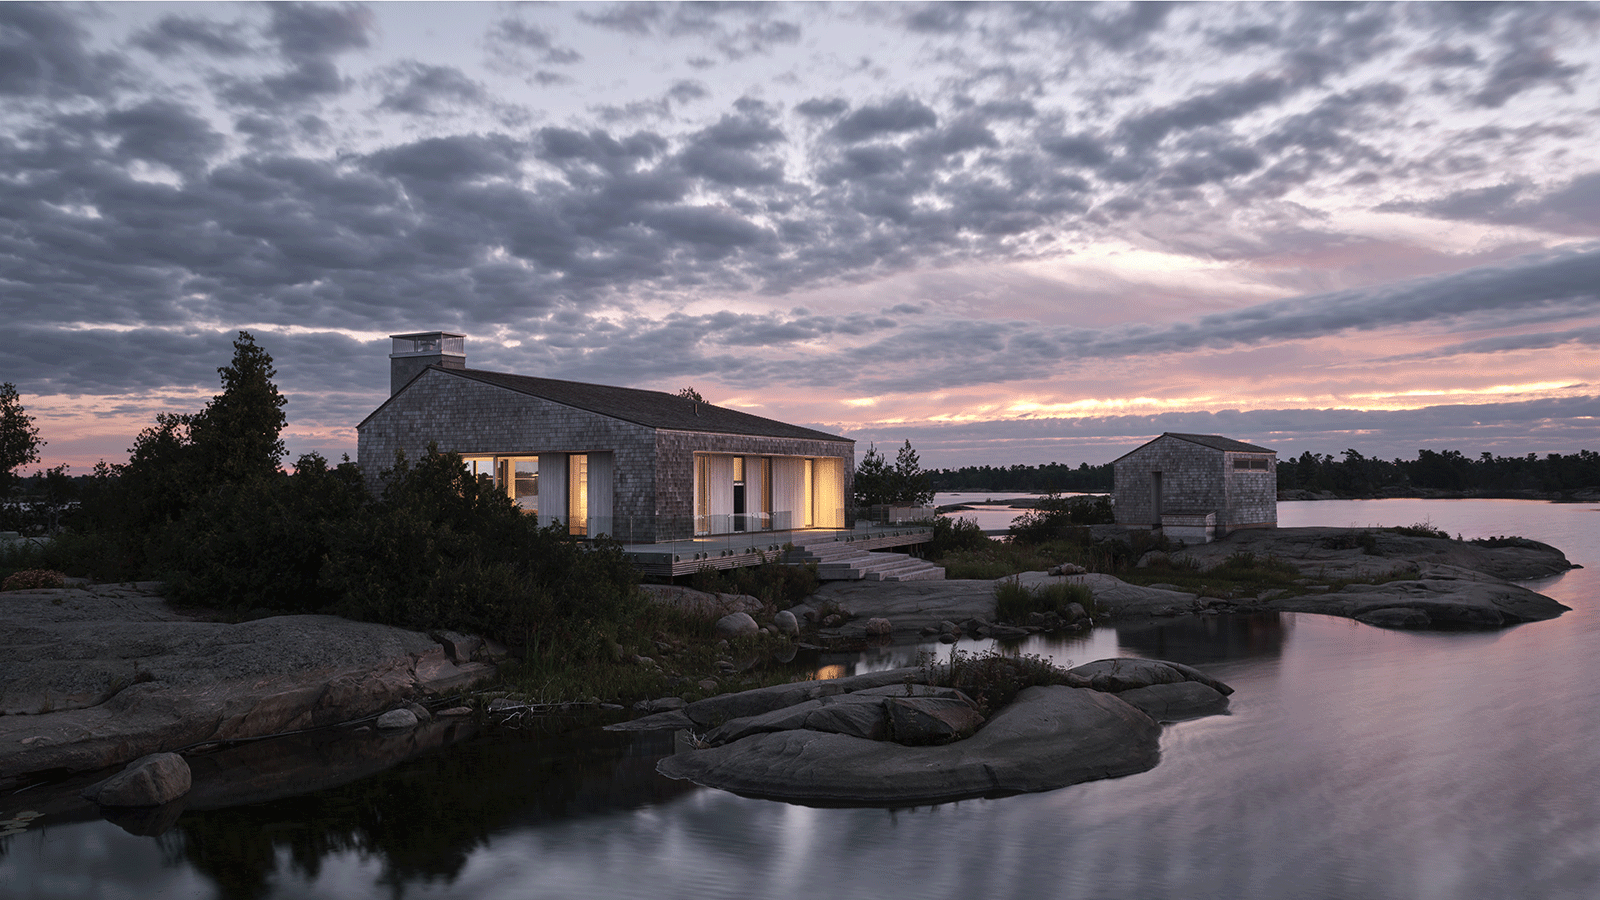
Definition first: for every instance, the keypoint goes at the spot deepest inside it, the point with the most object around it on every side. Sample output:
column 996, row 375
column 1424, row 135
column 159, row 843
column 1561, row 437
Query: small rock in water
column 397, row 720
column 455, row 712
column 147, row 781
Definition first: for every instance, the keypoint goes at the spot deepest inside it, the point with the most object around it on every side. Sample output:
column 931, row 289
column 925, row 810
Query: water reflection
column 426, row 818
column 1355, row 762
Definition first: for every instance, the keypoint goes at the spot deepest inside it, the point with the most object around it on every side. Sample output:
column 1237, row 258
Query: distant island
column 1350, row 475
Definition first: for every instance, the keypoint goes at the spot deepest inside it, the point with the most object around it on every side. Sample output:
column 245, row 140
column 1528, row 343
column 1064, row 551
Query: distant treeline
column 1048, row 477
column 1349, row 473
column 1447, row 470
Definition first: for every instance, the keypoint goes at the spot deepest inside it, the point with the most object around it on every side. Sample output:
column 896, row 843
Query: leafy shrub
column 32, row 580
column 1056, row 517
column 953, row 535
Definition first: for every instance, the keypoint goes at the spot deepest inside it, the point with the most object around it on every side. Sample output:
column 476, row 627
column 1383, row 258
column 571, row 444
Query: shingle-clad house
column 641, row 466
column 1197, row 486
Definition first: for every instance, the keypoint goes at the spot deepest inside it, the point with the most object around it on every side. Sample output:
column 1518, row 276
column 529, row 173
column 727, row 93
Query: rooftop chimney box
column 411, row 353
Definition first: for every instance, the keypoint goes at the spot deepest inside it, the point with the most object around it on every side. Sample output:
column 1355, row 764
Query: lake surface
column 1355, row 763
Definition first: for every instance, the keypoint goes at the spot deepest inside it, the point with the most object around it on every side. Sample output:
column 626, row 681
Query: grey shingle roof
column 1218, row 442
column 1214, row 441
column 653, row 409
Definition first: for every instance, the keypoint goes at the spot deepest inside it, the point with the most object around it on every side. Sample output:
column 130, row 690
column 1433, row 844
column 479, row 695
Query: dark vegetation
column 1447, row 470
column 991, row 678
column 905, row 482
column 1046, row 478
column 1013, row 601
column 774, row 584
column 1053, row 532
column 204, row 505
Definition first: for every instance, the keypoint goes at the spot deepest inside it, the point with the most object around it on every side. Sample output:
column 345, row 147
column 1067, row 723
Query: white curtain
column 718, row 494
column 827, row 493
column 788, row 492
column 552, row 488
column 756, row 481
column 600, row 477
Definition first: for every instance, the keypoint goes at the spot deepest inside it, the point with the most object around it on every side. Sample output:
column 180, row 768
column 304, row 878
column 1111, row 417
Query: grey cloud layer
column 139, row 207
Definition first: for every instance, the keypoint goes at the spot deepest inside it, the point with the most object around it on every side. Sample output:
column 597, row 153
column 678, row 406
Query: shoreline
column 108, row 673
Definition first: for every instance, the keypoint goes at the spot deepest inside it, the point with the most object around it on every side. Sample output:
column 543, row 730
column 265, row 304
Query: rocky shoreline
column 100, row 675
column 897, row 738
column 97, row 676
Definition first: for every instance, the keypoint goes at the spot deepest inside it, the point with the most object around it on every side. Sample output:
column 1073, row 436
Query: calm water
column 1355, row 763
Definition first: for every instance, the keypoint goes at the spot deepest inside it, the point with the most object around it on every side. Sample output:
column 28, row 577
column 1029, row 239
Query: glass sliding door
column 578, row 494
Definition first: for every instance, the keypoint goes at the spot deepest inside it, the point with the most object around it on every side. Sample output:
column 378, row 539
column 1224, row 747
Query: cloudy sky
column 1009, row 234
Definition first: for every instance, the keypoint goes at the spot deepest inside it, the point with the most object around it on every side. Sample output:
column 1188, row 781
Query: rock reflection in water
column 424, row 818
column 1198, row 640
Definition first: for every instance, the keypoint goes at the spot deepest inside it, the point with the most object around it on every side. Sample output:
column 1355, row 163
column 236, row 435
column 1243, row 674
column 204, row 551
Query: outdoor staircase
column 839, row 561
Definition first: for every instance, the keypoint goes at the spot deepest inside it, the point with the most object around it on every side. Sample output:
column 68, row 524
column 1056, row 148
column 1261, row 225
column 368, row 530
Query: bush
column 991, row 678
column 1061, row 517
column 954, row 535
column 442, row 549
column 1013, row 602
column 775, row 584
column 33, row 580
column 1421, row 529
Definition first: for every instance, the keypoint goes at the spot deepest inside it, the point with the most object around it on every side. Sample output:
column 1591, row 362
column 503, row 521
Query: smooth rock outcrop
column 99, row 676
column 1048, row 737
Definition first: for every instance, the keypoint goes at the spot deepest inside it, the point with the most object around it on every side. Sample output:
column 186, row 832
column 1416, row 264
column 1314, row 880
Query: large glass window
column 518, row 476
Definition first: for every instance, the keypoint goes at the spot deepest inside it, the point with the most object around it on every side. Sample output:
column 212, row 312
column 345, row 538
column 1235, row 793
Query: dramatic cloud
column 938, row 220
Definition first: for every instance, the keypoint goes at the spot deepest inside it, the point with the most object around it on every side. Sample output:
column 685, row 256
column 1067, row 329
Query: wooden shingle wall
column 1195, row 479
column 470, row 417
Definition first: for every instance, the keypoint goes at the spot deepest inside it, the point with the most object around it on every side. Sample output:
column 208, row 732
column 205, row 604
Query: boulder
column 736, row 625
column 663, row 704
column 878, row 627
column 147, row 781
column 786, row 623
column 397, row 719
column 921, row 721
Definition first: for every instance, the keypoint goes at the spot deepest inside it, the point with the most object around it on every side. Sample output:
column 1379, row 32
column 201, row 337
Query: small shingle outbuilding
column 1197, row 486
column 641, row 466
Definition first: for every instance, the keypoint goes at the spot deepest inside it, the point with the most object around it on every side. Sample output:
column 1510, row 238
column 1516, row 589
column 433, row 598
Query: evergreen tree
column 911, row 484
column 19, row 439
column 873, row 479
column 237, row 436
